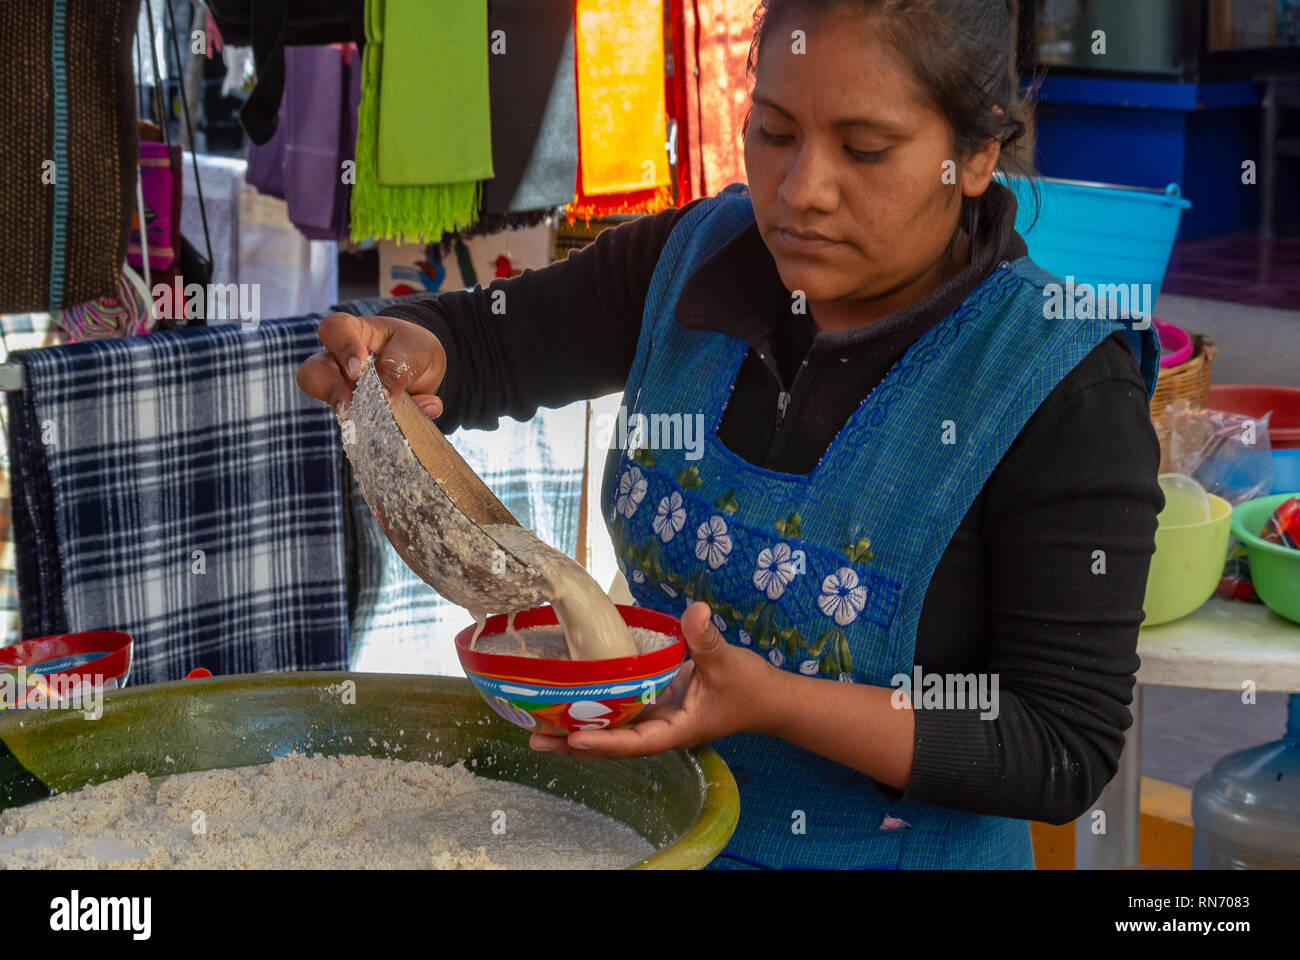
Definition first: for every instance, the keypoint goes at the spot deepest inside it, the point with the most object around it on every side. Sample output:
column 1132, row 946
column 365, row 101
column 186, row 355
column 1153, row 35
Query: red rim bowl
column 113, row 646
column 559, row 697
column 574, row 671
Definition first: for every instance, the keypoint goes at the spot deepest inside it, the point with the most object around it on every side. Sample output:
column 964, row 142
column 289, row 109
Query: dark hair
column 960, row 52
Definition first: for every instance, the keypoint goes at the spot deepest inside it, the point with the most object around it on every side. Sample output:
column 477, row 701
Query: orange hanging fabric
column 622, row 157
column 716, row 41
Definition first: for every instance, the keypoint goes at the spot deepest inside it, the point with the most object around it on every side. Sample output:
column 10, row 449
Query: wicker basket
column 1189, row 380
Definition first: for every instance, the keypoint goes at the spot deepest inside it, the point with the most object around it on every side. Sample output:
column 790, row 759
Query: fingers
column 702, row 636
column 430, row 404
column 320, row 377
column 642, row 738
column 349, row 341
column 407, row 357
column 413, row 360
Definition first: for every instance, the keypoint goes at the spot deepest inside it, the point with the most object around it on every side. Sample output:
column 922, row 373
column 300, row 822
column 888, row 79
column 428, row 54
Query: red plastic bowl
column 1255, row 400
column 106, row 653
column 1175, row 343
column 560, row 696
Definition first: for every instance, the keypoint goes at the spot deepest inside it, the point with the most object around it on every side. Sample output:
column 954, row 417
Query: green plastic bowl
column 1274, row 570
column 1187, row 565
column 685, row 802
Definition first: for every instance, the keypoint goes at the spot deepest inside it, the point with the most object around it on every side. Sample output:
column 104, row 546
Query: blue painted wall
column 1149, row 133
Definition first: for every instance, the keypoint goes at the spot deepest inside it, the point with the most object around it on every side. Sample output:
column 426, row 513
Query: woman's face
column 846, row 168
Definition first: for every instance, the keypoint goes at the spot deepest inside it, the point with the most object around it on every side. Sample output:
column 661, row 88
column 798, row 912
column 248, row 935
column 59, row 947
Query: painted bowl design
column 557, row 697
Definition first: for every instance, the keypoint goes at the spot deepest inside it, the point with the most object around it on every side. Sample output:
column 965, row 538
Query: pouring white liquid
column 593, row 628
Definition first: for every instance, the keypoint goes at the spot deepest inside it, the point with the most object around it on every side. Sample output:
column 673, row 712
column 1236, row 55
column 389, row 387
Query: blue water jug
column 1246, row 810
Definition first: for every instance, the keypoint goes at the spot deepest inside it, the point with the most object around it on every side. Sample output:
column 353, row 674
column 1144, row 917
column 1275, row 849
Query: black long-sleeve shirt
column 1015, row 592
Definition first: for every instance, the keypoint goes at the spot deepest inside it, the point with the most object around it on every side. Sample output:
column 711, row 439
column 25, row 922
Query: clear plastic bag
column 1229, row 454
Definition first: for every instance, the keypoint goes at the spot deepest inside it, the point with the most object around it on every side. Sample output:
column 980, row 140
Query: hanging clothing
column 322, row 138
column 682, row 109
column 71, row 151
column 160, row 185
column 423, row 130
column 534, row 106
column 268, row 27
column 304, row 163
column 534, row 117
column 21, row 331
column 716, row 38
column 622, row 157
column 434, row 123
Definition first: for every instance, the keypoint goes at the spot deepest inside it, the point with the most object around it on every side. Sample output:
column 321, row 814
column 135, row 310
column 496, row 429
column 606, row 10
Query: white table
column 1221, row 645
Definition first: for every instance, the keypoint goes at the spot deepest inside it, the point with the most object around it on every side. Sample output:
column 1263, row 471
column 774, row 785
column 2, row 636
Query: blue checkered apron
column 825, row 574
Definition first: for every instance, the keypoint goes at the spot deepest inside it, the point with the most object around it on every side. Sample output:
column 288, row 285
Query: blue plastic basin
column 1099, row 233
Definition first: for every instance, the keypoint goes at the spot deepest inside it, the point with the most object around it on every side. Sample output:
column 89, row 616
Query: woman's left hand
column 723, row 689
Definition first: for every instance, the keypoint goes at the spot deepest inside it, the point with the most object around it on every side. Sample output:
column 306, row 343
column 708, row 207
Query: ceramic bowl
column 557, row 697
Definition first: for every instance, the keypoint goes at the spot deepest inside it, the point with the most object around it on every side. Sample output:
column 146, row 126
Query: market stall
column 718, row 464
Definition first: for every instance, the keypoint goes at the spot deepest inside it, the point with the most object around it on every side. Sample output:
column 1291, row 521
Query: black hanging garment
column 534, row 115
column 268, row 26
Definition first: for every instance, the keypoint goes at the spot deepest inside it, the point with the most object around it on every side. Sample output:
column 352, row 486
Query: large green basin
column 684, row 802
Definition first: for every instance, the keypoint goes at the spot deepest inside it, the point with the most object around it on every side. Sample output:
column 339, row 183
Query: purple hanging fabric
column 266, row 163
column 317, row 133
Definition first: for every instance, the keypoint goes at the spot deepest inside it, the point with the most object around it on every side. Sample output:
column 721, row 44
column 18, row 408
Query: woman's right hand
column 407, row 357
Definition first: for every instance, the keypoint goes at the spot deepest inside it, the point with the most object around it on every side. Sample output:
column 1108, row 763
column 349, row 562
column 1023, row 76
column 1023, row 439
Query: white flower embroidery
column 845, row 678
column 842, row 596
column 774, row 570
column 720, row 623
column 745, row 638
column 670, row 517
column 631, row 491
column 713, row 543
column 668, row 590
column 809, row 667
column 776, row 656
column 638, row 576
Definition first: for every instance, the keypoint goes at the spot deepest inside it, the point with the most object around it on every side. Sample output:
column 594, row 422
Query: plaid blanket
column 179, row 486
column 18, row 331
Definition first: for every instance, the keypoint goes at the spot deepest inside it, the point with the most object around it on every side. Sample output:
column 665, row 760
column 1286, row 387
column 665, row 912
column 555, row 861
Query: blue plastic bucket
column 1286, row 470
column 1100, row 233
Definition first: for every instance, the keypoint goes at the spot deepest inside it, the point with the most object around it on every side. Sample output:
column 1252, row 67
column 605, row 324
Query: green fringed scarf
column 423, row 139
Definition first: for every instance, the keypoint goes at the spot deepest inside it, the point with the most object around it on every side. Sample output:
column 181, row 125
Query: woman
column 909, row 469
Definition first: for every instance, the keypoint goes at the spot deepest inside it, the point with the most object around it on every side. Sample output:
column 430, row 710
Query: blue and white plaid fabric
column 18, row 331
column 179, row 486
column 399, row 623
